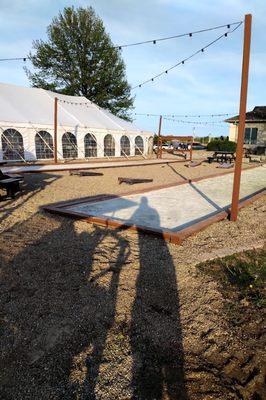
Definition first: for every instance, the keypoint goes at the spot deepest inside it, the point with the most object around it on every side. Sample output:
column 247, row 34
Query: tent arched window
column 124, row 146
column 90, row 145
column 109, row 146
column 139, row 145
column 44, row 146
column 12, row 145
column 69, row 145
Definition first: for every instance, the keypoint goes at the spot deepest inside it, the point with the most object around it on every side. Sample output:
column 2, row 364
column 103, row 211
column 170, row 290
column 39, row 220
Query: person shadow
column 59, row 296
column 156, row 332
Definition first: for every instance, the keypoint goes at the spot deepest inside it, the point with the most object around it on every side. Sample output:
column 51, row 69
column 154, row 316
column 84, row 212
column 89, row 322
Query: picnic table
column 222, row 156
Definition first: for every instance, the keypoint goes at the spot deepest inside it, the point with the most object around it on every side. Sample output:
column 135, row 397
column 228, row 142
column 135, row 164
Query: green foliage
column 79, row 59
column 221, row 145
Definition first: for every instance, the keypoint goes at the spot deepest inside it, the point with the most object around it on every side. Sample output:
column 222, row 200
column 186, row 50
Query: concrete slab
column 173, row 208
column 88, row 165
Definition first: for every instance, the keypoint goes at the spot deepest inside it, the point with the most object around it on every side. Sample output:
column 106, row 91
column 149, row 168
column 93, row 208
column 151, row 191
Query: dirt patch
column 92, row 313
column 241, row 280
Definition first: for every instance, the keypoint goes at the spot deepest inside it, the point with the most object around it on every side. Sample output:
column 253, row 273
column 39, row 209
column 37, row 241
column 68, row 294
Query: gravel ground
column 92, row 313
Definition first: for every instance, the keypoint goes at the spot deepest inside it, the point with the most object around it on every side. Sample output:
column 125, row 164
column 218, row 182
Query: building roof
column 36, row 107
column 258, row 114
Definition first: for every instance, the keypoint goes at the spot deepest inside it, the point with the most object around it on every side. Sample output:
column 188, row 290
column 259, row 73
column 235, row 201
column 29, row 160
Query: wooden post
column 55, row 128
column 242, row 117
column 159, row 155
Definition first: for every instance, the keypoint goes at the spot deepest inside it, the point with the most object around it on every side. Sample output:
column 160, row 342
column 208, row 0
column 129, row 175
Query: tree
column 79, row 58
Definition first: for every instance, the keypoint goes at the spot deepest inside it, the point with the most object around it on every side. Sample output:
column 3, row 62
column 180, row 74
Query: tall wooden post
column 55, row 128
column 159, row 144
column 242, row 117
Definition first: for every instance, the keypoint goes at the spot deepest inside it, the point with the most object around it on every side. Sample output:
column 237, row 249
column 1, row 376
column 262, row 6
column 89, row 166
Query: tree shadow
column 156, row 333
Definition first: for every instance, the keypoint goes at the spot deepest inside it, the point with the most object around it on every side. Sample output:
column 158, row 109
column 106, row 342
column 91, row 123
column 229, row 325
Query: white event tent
column 84, row 129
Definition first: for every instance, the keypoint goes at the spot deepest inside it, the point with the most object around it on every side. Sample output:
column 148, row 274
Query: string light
column 188, row 58
column 154, row 41
column 15, row 59
column 194, row 122
column 184, row 115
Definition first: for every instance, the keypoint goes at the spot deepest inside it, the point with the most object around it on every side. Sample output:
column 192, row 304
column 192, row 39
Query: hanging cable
column 186, row 59
column 190, row 34
column 15, row 59
column 184, row 115
column 204, row 123
column 154, row 41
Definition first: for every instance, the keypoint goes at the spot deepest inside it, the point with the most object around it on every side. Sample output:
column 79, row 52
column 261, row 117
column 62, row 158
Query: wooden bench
column 10, row 183
column 132, row 181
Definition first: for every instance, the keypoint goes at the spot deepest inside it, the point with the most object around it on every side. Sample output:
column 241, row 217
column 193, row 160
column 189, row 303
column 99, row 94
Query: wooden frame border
column 88, row 166
column 173, row 237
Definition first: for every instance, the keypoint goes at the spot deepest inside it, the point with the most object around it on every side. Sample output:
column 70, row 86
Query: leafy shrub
column 221, row 145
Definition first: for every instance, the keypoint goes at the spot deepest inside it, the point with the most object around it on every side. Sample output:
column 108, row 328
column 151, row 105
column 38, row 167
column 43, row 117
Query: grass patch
column 241, row 276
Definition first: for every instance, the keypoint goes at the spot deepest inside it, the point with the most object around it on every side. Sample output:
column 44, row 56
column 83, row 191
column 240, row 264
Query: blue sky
column 208, row 84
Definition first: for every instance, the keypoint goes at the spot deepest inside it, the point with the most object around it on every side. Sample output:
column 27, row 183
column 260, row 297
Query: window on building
column 12, row 145
column 44, row 145
column 139, row 146
column 109, row 146
column 125, row 146
column 69, row 145
column 251, row 135
column 90, row 145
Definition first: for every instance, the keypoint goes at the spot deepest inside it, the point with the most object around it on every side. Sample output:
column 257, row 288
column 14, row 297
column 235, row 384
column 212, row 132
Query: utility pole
column 242, row 117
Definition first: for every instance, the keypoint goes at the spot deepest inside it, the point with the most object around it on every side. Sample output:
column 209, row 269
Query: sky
column 207, row 84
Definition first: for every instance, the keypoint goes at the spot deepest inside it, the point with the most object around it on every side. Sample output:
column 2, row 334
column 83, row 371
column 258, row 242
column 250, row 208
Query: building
column 85, row 130
column 255, row 130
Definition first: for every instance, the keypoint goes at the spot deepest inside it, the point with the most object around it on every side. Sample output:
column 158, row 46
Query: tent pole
column 242, row 117
column 159, row 155
column 190, row 150
column 55, row 128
